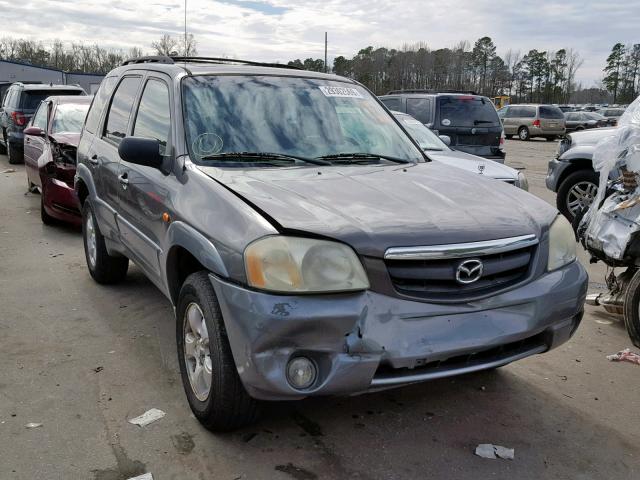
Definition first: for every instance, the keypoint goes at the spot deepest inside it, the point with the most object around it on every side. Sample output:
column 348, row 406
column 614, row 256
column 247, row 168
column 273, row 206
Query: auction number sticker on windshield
column 343, row 92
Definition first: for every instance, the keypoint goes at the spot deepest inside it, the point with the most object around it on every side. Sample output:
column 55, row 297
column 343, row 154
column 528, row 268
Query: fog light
column 301, row 373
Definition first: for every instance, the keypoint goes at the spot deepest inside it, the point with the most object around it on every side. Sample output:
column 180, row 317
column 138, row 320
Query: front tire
column 523, row 134
column 632, row 309
column 576, row 192
column 104, row 268
column 44, row 216
column 209, row 375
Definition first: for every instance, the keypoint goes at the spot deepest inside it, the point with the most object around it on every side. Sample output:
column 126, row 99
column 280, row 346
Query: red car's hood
column 67, row 138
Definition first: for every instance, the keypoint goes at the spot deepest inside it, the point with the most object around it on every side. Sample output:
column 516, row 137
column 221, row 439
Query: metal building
column 12, row 71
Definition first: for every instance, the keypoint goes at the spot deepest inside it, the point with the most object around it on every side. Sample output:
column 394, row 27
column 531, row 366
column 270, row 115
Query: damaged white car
column 610, row 229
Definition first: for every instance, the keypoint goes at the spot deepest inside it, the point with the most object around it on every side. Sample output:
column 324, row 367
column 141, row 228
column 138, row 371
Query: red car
column 50, row 143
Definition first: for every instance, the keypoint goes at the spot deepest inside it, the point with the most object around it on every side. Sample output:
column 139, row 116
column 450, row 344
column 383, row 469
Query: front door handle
column 93, row 159
column 123, row 178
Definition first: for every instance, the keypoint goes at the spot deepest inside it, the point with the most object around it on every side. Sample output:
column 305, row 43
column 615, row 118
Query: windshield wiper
column 433, row 149
column 476, row 122
column 363, row 156
column 257, row 156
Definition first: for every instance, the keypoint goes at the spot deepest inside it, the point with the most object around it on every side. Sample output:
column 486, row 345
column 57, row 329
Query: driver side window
column 40, row 118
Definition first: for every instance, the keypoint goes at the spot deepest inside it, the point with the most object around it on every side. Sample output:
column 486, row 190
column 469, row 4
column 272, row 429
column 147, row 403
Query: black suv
column 307, row 243
column 469, row 120
column 18, row 106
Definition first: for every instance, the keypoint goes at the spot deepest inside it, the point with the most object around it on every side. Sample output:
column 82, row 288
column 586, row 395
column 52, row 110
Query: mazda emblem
column 469, row 271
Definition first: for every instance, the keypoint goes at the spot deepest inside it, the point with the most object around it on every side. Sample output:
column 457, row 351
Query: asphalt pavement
column 81, row 359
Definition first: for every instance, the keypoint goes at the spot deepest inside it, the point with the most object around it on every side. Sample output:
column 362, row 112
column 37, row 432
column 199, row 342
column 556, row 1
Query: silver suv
column 308, row 245
column 530, row 121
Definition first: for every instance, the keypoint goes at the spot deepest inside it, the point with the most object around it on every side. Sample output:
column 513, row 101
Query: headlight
column 562, row 244
column 523, row 183
column 303, row 265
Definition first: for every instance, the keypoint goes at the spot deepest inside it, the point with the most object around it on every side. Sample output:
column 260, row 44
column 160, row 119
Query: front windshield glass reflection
column 305, row 117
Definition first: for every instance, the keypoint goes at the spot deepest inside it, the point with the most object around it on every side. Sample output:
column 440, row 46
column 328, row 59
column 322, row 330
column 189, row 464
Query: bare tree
column 167, row 45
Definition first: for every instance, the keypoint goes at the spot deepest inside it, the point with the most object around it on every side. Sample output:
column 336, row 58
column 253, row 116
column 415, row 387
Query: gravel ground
column 81, row 359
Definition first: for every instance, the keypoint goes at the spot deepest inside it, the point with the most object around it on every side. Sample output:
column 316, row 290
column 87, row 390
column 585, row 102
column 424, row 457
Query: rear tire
column 221, row 403
column 3, row 148
column 585, row 177
column 508, row 137
column 523, row 134
column 14, row 154
column 550, row 139
column 104, row 268
column 632, row 309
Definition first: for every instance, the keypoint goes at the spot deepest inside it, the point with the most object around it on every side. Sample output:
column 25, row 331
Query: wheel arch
column 83, row 185
column 575, row 166
column 190, row 252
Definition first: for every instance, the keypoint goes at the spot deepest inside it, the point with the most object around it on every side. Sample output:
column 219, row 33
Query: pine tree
column 612, row 71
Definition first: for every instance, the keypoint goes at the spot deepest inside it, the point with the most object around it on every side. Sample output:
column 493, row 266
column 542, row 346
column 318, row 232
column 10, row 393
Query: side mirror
column 446, row 139
column 141, row 151
column 34, row 131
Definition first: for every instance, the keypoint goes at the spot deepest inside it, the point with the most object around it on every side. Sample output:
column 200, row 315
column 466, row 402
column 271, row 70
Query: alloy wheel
column 91, row 241
column 580, row 196
column 197, row 355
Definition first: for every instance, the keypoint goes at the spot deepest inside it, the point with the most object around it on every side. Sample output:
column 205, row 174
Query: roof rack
column 426, row 90
column 217, row 60
column 148, row 59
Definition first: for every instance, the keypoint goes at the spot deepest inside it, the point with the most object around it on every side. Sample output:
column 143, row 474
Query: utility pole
column 326, row 68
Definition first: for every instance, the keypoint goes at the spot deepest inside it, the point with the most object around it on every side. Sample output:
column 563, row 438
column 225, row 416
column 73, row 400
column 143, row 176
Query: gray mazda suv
column 308, row 245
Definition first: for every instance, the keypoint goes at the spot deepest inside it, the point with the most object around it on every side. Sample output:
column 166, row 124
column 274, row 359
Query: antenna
column 326, row 68
column 186, row 53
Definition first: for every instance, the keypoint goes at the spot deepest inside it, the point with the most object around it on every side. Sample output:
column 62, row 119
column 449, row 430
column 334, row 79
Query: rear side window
column 572, row 117
column 154, row 119
column 99, row 101
column 392, row 103
column 551, row 113
column 419, row 108
column 120, row 110
column 9, row 101
column 467, row 111
column 522, row 112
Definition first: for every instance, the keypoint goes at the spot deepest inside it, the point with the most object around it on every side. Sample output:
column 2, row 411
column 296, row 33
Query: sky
column 281, row 30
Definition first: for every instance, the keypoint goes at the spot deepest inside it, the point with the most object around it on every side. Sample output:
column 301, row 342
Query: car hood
column 373, row 208
column 591, row 137
column 474, row 164
column 67, row 138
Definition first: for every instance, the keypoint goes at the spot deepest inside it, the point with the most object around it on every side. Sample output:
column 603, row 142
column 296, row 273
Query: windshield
column 69, row 118
column 421, row 134
column 304, row 117
column 467, row 111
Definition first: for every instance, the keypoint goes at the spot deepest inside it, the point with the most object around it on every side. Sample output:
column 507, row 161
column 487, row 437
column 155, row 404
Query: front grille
column 435, row 279
column 485, row 140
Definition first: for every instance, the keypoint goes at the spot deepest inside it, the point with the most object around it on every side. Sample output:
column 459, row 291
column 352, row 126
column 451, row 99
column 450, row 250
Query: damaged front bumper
column 366, row 341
